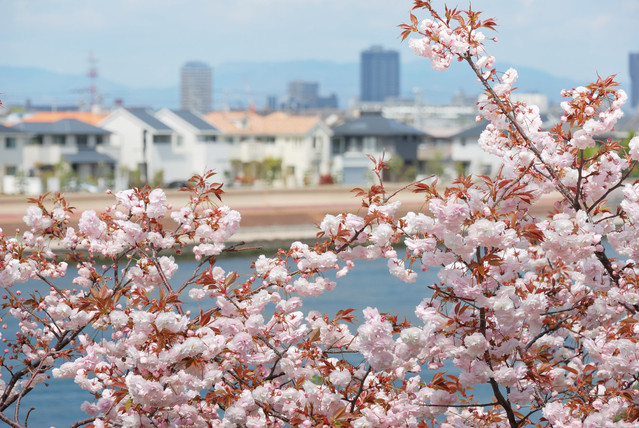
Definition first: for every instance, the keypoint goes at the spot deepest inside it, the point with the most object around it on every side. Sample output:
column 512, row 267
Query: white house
column 200, row 142
column 84, row 148
column 12, row 142
column 280, row 148
column 467, row 155
column 146, row 145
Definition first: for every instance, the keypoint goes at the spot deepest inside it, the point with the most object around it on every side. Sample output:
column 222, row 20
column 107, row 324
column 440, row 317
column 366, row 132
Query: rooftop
column 54, row 116
column 61, row 127
column 147, row 117
column 251, row 123
column 7, row 130
column 194, row 120
column 374, row 124
column 88, row 156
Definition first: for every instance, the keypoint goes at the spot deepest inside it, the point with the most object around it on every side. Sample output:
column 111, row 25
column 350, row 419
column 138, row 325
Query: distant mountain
column 236, row 85
column 263, row 79
column 245, row 82
column 437, row 86
column 19, row 85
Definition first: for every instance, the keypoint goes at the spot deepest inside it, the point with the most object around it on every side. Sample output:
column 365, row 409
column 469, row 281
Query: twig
column 360, row 390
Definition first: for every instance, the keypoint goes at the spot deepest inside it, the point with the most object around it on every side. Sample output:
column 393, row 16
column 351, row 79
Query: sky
column 143, row 43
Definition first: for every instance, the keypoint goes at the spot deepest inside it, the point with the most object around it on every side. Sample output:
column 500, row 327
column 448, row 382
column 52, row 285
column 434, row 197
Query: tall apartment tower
column 633, row 60
column 303, row 94
column 379, row 74
column 195, row 87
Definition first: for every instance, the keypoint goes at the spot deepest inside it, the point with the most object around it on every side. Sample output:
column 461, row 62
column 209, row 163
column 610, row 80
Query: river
column 368, row 284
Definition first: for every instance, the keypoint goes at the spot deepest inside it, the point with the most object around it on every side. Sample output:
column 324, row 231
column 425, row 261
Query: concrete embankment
column 267, row 214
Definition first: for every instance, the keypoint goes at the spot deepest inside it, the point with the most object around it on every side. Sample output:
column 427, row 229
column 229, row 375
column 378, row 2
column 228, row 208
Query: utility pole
column 144, row 178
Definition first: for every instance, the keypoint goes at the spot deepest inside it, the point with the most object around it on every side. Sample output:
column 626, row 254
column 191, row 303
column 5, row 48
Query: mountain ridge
column 239, row 84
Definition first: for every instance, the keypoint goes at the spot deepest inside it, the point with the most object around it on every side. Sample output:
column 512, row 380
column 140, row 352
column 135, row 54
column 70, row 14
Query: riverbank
column 268, row 215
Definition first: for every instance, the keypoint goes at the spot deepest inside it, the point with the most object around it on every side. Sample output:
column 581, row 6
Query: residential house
column 147, row 147
column 468, row 157
column 200, row 142
column 84, row 149
column 278, row 148
column 374, row 135
column 434, row 155
column 12, row 142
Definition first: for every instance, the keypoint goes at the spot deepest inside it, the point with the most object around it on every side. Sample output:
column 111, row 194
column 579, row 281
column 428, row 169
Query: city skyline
column 144, row 43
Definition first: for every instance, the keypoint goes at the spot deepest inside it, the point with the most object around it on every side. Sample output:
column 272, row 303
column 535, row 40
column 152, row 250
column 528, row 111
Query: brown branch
column 543, row 333
column 4, row 418
column 360, row 390
column 616, row 186
column 500, row 103
column 580, row 177
column 83, row 422
column 501, row 400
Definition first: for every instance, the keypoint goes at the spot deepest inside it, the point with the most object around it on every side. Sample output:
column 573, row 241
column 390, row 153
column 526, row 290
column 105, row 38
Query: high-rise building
column 379, row 74
column 195, row 87
column 633, row 60
column 303, row 94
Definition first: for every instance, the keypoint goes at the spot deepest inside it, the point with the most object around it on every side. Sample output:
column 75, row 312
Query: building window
column 338, row 146
column 10, row 170
column 370, row 144
column 10, row 143
column 82, row 141
column 99, row 139
column 36, row 140
column 206, row 138
column 59, row 140
column 354, row 144
column 161, row 138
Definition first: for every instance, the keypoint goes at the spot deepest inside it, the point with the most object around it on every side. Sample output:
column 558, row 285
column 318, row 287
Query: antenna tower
column 92, row 74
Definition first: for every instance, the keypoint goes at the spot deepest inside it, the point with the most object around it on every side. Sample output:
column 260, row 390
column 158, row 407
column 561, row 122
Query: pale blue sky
column 144, row 42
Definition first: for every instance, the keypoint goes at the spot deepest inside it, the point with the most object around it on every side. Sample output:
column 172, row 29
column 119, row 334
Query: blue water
column 368, row 284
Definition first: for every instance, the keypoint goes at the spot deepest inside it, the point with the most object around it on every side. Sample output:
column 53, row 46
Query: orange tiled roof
column 248, row 122
column 53, row 116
